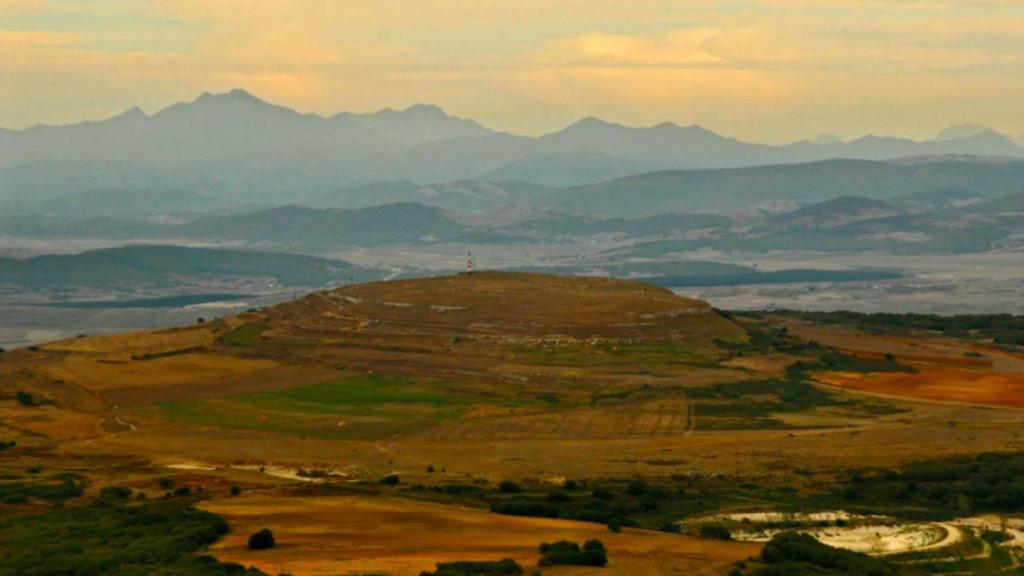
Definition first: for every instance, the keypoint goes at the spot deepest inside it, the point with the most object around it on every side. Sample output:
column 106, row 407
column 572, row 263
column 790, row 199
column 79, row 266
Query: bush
column 615, row 525
column 525, row 507
column 262, row 540
column 166, row 483
column 793, row 547
column 558, row 496
column 183, row 491
column 669, row 526
column 235, row 490
column 508, row 487
column 115, row 493
column 147, row 538
column 637, row 488
column 390, row 480
column 715, row 531
column 24, row 398
column 569, row 553
column 469, row 568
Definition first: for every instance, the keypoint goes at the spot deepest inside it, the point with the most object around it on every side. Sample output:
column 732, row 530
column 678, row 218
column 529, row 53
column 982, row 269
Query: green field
column 367, row 406
column 647, row 356
column 244, row 335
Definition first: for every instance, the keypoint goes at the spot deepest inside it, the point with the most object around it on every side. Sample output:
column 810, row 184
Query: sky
column 769, row 71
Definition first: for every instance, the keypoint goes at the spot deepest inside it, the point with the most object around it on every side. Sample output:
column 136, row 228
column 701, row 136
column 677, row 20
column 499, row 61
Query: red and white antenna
column 469, row 263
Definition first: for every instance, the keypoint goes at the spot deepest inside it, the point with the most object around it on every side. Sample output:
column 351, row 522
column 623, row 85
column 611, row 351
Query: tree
column 25, row 398
column 615, row 525
column 262, row 540
column 390, row 480
column 637, row 488
column 115, row 493
column 235, row 490
column 508, row 487
column 715, row 531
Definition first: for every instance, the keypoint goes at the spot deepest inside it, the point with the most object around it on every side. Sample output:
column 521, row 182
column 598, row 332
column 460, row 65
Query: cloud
column 754, row 68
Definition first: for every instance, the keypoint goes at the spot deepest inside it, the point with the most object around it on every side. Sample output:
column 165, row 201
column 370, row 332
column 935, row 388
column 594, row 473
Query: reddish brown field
column 939, row 383
column 946, row 370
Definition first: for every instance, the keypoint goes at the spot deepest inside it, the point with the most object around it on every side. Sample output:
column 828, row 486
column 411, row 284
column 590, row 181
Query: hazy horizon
column 762, row 71
column 328, row 114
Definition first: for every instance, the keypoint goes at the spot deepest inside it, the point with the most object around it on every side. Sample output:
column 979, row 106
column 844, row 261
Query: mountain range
column 236, row 147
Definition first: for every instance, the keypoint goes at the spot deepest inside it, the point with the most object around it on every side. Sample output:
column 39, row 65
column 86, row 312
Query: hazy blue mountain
column 961, row 131
column 938, row 198
column 663, row 145
column 300, row 228
column 120, row 203
column 454, row 195
column 236, row 146
column 735, row 190
column 836, row 212
column 1011, row 205
column 419, row 124
column 569, row 168
column 211, row 127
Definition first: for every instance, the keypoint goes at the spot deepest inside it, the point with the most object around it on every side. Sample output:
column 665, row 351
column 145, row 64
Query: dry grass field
column 484, row 378
column 326, row 536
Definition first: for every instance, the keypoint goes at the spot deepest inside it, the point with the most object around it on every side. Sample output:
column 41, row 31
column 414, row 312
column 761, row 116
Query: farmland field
column 598, row 400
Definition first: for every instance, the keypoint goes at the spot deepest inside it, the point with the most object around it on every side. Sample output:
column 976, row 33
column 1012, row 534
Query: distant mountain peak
column 827, row 139
column 132, row 113
column 431, row 109
column 233, row 95
column 966, row 130
column 591, row 122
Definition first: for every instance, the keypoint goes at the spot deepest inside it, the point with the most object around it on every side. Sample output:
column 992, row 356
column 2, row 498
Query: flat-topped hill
column 507, row 304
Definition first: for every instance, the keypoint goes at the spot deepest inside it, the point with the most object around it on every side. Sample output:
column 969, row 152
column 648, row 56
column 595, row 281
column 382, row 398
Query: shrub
column 637, row 488
column 115, row 493
column 715, row 531
column 183, row 491
column 390, row 480
column 470, row 568
column 235, row 490
column 145, row 538
column 615, row 525
column 569, row 553
column 669, row 526
column 793, row 547
column 24, row 398
column 525, row 507
column 166, row 483
column 558, row 496
column 262, row 540
column 508, row 487
column 571, row 485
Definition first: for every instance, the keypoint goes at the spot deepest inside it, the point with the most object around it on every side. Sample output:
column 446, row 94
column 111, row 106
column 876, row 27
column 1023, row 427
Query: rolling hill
column 133, row 269
column 738, row 189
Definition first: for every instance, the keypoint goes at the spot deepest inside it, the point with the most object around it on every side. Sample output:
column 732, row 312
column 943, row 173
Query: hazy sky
column 763, row 70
